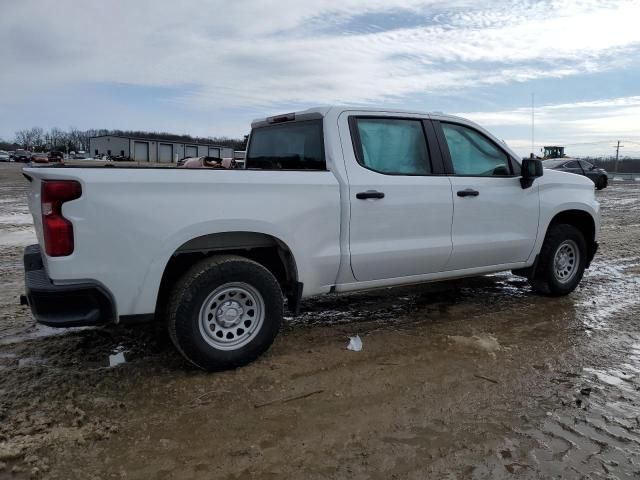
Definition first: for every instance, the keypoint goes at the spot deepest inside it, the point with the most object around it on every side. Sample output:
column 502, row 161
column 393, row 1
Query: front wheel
column 225, row 312
column 561, row 262
column 602, row 182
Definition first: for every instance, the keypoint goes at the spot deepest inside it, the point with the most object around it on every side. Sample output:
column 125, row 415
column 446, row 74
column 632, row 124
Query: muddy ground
column 470, row 379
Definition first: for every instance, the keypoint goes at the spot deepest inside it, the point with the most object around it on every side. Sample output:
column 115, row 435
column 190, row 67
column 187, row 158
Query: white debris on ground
column 117, row 357
column 355, row 344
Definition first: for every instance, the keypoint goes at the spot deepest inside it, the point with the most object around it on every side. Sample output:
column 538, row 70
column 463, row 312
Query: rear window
column 552, row 163
column 287, row 146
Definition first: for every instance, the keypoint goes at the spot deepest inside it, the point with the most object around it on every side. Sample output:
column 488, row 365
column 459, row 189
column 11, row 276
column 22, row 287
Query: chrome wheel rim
column 565, row 261
column 231, row 316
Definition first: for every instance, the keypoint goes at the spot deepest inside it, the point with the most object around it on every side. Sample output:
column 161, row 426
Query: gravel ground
column 469, row 379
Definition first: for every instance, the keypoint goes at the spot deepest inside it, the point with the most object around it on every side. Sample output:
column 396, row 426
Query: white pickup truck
column 331, row 200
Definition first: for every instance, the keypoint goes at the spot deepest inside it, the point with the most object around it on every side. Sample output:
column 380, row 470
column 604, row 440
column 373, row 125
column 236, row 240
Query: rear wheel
column 225, row 312
column 561, row 262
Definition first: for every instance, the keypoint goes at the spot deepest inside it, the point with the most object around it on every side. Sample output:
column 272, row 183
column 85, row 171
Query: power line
column 586, row 143
column 533, row 122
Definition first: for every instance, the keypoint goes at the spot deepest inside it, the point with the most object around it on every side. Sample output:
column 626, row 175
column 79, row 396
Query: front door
column 495, row 220
column 401, row 209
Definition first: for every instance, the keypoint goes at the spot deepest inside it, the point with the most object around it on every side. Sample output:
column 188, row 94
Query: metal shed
column 154, row 150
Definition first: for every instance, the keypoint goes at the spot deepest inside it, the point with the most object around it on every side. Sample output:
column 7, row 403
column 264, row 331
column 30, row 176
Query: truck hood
column 556, row 176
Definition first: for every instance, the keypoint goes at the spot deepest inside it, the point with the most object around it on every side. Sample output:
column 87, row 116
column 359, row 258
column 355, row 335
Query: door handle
column 369, row 194
column 468, row 192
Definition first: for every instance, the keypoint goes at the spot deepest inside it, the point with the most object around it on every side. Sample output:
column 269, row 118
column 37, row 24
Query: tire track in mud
column 610, row 288
column 595, row 433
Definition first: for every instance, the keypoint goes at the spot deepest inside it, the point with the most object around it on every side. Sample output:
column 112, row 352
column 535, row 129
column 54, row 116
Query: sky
column 207, row 68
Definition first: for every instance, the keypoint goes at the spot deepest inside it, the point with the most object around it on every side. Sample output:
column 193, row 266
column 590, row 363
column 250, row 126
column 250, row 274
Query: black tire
column 195, row 287
column 544, row 280
column 602, row 182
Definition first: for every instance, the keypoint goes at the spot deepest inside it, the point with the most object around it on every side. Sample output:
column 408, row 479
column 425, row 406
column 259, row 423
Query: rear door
column 401, row 204
column 495, row 220
column 573, row 166
column 588, row 170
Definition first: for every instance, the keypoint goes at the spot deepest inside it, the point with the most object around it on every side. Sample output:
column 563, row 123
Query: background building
column 153, row 149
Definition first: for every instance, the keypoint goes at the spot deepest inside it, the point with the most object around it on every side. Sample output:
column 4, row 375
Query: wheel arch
column 583, row 221
column 269, row 251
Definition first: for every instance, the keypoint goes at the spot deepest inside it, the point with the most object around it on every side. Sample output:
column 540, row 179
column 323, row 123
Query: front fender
column 562, row 192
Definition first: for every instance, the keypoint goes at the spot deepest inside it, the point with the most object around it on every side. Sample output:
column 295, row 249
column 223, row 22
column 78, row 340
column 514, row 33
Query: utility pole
column 615, row 165
column 533, row 124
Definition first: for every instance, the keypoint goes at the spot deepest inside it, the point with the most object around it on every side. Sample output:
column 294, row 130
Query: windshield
column 288, row 146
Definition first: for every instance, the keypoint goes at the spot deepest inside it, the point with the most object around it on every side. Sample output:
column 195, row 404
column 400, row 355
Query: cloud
column 218, row 56
column 255, row 52
column 587, row 128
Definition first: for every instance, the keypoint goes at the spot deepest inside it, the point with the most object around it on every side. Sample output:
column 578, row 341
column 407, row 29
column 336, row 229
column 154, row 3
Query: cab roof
column 323, row 111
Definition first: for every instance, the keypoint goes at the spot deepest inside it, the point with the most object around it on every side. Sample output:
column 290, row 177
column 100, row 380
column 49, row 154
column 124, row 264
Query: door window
column 573, row 165
column 392, row 146
column 586, row 166
column 474, row 154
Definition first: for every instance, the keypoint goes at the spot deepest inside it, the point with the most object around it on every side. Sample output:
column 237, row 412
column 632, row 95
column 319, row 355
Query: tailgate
column 33, row 200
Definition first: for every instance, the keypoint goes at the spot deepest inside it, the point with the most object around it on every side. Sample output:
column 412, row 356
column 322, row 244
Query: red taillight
column 58, row 231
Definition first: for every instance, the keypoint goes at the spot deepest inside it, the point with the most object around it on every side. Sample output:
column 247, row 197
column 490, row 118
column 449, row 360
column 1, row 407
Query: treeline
column 625, row 165
column 73, row 139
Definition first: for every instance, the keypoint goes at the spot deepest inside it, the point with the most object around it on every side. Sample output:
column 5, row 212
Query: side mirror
column 531, row 169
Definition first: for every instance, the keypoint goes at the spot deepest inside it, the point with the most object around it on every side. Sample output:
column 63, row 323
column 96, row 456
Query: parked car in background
column 4, row 156
column 580, row 167
column 56, row 156
column 206, row 162
column 39, row 157
column 80, row 155
column 22, row 156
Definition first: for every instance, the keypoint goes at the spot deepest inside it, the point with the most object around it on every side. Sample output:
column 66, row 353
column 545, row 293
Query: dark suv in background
column 581, row 167
column 56, row 156
column 22, row 156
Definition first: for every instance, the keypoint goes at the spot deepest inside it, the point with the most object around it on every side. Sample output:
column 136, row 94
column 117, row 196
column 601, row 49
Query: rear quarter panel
column 129, row 222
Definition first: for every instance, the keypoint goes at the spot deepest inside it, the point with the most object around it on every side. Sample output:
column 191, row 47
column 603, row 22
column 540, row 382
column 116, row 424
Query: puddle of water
column 37, row 331
column 605, row 377
column 16, row 219
column 17, row 238
column 615, row 292
column 482, row 341
column 621, row 201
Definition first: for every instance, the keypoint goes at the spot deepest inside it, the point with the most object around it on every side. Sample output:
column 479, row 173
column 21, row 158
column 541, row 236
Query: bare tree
column 58, row 138
column 37, row 137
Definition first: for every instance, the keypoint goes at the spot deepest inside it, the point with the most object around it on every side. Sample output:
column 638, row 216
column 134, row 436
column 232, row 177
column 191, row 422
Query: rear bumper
column 72, row 305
